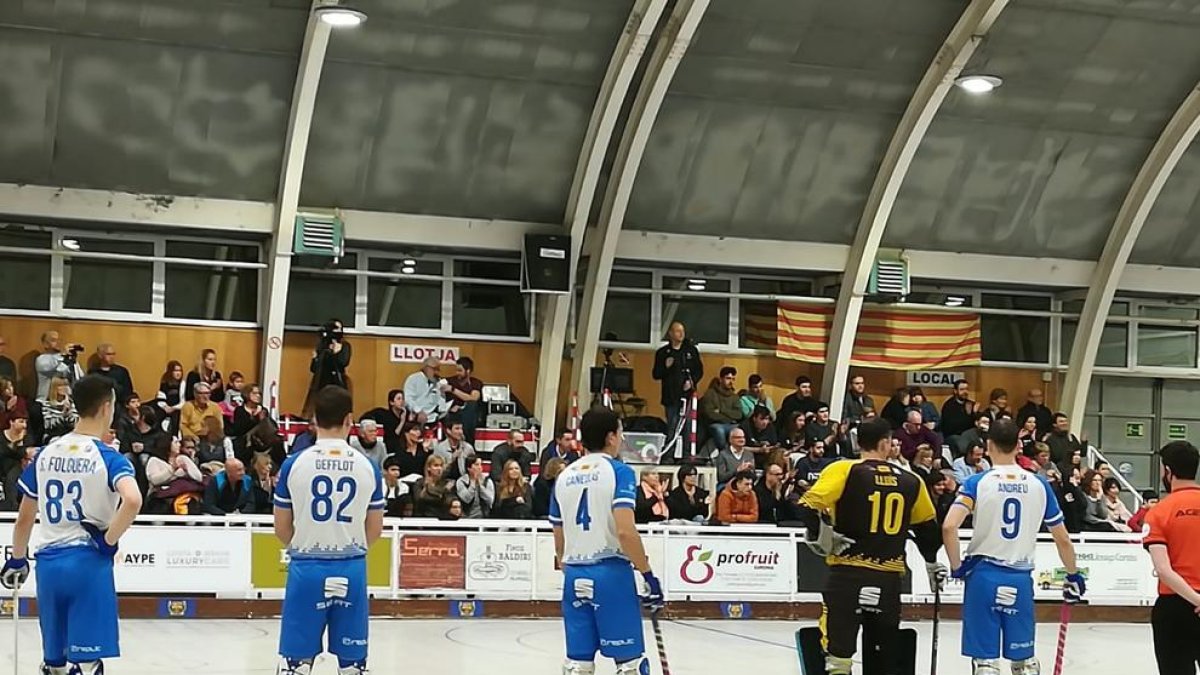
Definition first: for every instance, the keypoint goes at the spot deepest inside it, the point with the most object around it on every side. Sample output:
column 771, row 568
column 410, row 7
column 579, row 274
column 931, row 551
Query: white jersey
column 1010, row 505
column 329, row 488
column 585, row 495
column 74, row 480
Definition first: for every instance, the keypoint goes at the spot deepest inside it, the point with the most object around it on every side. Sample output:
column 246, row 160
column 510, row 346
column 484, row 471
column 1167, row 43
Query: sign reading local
column 934, row 378
column 410, row 353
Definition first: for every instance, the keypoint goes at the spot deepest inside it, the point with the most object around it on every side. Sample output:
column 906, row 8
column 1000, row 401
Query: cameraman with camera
column 331, row 357
column 52, row 363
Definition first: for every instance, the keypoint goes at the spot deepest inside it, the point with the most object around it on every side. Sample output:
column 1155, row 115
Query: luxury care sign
column 934, row 378
column 411, row 353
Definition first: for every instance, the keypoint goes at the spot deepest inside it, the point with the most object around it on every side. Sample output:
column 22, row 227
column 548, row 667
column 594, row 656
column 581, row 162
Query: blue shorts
column 77, row 605
column 324, row 594
column 998, row 613
column 602, row 611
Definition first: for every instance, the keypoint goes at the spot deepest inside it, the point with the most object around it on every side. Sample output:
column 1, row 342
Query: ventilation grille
column 322, row 236
column 889, row 277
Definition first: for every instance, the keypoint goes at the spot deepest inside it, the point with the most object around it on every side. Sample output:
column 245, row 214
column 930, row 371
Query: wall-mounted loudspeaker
column 546, row 264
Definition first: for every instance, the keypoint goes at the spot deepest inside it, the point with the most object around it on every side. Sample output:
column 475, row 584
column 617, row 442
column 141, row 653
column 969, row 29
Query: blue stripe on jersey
column 555, row 520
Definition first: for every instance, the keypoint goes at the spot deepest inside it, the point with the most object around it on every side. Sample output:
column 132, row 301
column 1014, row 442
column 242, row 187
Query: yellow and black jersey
column 875, row 504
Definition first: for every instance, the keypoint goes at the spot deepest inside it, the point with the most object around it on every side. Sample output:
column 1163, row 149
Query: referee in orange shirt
column 1174, row 545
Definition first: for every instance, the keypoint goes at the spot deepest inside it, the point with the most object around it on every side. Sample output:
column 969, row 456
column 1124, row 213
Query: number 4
column 582, row 518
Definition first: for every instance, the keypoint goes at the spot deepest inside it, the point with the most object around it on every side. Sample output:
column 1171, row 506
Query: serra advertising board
column 730, row 566
column 433, row 562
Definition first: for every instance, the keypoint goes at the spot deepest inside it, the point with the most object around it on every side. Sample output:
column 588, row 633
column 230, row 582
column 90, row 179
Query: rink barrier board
column 238, row 557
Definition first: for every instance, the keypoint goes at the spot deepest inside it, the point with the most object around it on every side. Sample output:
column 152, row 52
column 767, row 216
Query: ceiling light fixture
column 409, row 262
column 978, row 84
column 71, row 244
column 408, row 270
column 696, row 287
column 955, row 301
column 340, row 16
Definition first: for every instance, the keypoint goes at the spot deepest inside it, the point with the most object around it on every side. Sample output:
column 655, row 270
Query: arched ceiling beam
column 1174, row 141
column 614, row 89
column 953, row 55
column 672, row 44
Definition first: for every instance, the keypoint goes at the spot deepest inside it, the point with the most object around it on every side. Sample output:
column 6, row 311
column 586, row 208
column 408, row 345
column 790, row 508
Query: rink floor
column 532, row 647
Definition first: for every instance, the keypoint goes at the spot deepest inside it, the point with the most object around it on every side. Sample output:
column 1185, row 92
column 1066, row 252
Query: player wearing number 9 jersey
column 1009, row 505
column 85, row 494
column 328, row 511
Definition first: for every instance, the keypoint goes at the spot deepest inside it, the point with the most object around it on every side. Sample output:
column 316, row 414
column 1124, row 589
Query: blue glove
column 14, row 573
column 1074, row 587
column 97, row 535
column 653, row 599
column 964, row 570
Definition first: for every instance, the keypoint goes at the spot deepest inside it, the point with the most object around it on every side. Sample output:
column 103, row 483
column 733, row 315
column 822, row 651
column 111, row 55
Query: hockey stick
column 662, row 646
column 1064, row 619
column 16, row 613
column 937, row 611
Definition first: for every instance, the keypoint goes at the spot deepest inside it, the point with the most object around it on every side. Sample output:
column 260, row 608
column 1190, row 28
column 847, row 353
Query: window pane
column 751, row 286
column 19, row 237
column 1020, row 339
column 204, row 251
column 24, row 281
column 698, row 284
column 433, row 268
column 1166, row 347
column 314, row 299
column 627, row 317
column 757, row 329
column 707, row 320
column 409, row 303
column 490, row 310
column 1076, row 306
column 1032, row 303
column 948, row 298
column 1113, row 344
column 492, row 270
column 195, row 292
column 1158, row 312
column 113, row 285
column 627, row 279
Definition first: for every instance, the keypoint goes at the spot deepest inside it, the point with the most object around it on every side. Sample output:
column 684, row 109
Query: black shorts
column 1176, row 635
column 856, row 596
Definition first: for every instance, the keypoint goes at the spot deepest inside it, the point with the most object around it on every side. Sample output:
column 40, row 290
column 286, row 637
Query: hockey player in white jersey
column 591, row 510
column 1009, row 505
column 328, row 511
column 86, row 496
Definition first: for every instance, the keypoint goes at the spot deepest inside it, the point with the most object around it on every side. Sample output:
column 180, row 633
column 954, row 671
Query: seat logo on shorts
column 1006, row 596
column 869, row 596
column 337, row 587
column 585, row 589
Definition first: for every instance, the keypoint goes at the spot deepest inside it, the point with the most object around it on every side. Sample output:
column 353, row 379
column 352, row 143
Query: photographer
column 677, row 365
column 52, row 363
column 331, row 357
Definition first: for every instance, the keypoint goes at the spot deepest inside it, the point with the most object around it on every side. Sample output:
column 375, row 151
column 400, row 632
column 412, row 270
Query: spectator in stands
column 1035, row 406
column 392, row 419
column 1071, row 498
column 195, row 411
column 913, row 434
column 11, row 499
column 822, row 428
column 894, row 410
column 922, row 461
column 213, row 447
column 466, row 390
column 305, row 439
column 943, row 491
column 13, row 443
column 958, row 413
column 514, row 498
column 424, row 392
column 564, row 447
column 689, row 501
column 737, row 503
column 809, row 468
column 1098, row 517
column 998, row 403
column 800, row 400
column 265, row 477
column 169, row 461
column 412, row 455
column 543, row 487
column 106, row 365
column 368, row 441
column 231, row 490
column 857, row 400
column 678, row 366
column 976, row 434
column 1149, row 500
column 8, row 369
column 651, row 504
column 331, row 358
column 1027, row 434
column 11, row 405
column 794, row 433
column 170, row 395
column 1041, row 460
column 454, row 509
column 476, row 490
column 52, row 363
column 58, row 412
column 760, row 434
column 1060, row 439
column 768, row 493
column 1112, row 499
column 395, row 491
column 138, row 437
column 514, row 449
column 205, row 372
column 430, row 493
column 755, row 396
column 971, row 463
column 720, row 407
column 929, row 412
column 734, row 458
column 235, row 394
column 1103, row 468
column 251, row 426
column 128, row 413
column 455, row 449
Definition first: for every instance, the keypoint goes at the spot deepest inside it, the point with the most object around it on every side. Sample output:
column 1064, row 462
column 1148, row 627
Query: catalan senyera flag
column 759, row 322
column 893, row 339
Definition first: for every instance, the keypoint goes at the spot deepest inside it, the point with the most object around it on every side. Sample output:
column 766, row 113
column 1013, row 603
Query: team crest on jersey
column 883, row 468
column 333, row 452
column 74, row 448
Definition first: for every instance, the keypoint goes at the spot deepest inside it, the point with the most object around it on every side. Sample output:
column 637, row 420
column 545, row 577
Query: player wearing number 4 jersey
column 328, row 511
column 591, row 510
column 1009, row 505
column 86, row 497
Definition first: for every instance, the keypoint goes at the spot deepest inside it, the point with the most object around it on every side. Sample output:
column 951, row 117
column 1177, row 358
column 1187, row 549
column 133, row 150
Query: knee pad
column 638, row 666
column 985, row 666
column 87, row 668
column 1026, row 667
column 837, row 665
column 578, row 667
column 359, row 668
column 294, row 667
